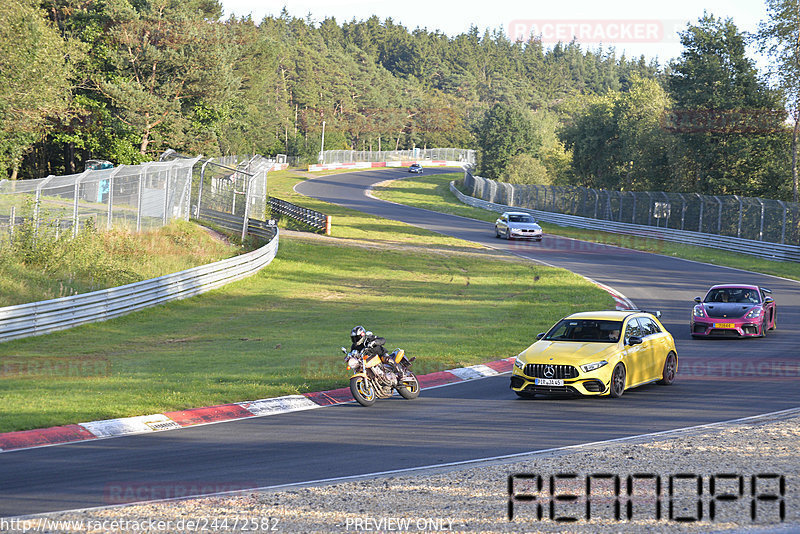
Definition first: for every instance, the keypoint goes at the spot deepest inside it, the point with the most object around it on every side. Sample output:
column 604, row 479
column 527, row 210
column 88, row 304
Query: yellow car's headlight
column 518, row 363
column 589, row 367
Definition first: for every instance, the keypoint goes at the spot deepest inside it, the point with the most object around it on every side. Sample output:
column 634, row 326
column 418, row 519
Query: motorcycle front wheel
column 409, row 389
column 363, row 391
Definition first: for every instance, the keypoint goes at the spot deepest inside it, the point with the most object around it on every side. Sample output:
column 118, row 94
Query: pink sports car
column 734, row 310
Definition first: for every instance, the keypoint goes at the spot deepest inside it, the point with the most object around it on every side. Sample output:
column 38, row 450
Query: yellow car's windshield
column 585, row 330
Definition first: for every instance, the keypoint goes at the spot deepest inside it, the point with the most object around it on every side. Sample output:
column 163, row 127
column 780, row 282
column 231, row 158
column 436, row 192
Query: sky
column 630, row 26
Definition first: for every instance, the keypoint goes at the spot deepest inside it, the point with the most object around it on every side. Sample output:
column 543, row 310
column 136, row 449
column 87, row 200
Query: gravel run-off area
column 475, row 497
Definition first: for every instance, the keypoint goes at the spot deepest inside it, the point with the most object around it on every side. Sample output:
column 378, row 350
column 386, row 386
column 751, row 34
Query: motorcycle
column 375, row 379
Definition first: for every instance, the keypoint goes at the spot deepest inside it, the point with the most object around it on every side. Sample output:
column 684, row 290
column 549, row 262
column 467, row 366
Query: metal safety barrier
column 24, row 320
column 313, row 218
column 227, row 221
column 772, row 251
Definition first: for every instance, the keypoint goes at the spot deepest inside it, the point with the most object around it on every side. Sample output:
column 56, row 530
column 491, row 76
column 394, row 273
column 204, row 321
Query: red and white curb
column 379, row 164
column 621, row 301
column 126, row 426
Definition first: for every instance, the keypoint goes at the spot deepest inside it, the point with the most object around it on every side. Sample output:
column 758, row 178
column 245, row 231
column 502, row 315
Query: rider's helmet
column 358, row 334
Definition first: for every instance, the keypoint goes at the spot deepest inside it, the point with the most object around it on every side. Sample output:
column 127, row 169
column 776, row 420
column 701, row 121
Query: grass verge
column 63, row 266
column 433, row 192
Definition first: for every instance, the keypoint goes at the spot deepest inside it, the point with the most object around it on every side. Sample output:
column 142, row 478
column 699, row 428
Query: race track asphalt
column 719, row 380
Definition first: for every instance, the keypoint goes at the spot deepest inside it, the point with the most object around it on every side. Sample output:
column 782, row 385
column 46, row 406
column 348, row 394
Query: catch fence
column 138, row 197
column 417, row 154
column 755, row 219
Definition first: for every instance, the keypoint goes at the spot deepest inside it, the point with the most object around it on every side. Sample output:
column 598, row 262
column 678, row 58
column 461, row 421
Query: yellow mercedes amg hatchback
column 597, row 353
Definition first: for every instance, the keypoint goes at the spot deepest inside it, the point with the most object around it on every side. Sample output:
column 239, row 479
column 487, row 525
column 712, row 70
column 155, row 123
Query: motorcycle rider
column 362, row 338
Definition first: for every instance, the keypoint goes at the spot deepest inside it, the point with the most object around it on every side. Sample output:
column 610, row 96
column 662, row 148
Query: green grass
column 94, row 260
column 433, row 192
column 446, row 302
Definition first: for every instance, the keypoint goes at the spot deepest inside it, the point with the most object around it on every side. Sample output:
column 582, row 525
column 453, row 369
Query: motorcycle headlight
column 589, row 367
column 699, row 311
column 353, row 363
column 754, row 313
column 518, row 363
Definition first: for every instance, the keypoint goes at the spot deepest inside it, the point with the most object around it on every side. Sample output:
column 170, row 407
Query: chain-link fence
column 416, row 154
column 134, row 196
column 138, row 197
column 236, row 188
column 759, row 219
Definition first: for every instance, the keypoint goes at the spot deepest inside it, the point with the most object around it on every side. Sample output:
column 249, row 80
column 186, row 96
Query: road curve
column 455, row 423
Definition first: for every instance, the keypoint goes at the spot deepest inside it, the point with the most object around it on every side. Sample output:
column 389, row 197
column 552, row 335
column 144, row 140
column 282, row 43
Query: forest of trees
column 127, row 79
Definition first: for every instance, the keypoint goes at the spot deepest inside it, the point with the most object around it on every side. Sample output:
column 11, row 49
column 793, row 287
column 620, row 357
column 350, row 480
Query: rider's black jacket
column 373, row 343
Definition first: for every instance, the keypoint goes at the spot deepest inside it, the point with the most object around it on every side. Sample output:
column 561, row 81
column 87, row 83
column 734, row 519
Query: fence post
column 13, row 223
column 328, row 223
column 761, row 228
column 719, row 216
column 783, row 227
column 75, row 195
column 739, row 225
column 36, row 201
column 167, row 180
column 200, row 189
column 683, row 208
column 702, row 207
column 246, row 205
column 142, row 175
column 110, row 209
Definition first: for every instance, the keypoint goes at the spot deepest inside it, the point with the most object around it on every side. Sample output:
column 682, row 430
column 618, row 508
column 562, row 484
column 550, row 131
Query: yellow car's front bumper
column 592, row 383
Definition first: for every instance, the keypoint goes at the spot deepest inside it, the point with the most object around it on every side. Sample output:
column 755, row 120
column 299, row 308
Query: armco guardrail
column 24, row 320
column 772, row 251
column 257, row 228
column 313, row 218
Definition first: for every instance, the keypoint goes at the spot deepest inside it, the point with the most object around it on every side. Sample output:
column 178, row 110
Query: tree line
column 125, row 80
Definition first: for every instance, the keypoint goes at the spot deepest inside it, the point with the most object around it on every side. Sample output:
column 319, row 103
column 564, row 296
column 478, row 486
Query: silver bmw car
column 517, row 225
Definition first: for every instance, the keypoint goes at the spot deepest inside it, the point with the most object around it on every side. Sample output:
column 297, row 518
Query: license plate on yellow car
column 548, row 382
column 724, row 325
